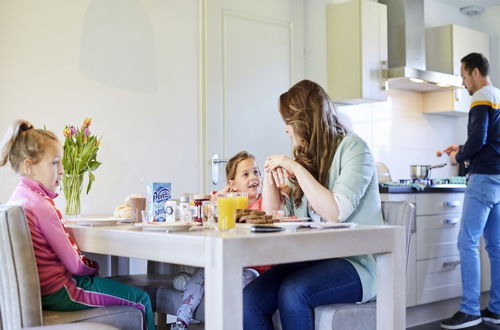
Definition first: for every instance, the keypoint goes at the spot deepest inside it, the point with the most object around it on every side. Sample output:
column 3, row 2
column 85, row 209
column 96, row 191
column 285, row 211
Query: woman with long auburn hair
column 332, row 178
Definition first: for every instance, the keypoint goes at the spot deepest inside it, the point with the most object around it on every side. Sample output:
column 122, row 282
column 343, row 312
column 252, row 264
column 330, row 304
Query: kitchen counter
column 410, row 189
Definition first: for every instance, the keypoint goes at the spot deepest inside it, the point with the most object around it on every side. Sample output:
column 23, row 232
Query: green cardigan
column 353, row 176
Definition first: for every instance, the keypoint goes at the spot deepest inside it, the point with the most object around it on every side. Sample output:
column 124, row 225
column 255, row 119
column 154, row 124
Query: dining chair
column 75, row 326
column 20, row 298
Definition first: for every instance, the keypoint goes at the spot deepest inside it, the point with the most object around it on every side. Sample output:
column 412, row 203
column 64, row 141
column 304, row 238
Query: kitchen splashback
column 400, row 135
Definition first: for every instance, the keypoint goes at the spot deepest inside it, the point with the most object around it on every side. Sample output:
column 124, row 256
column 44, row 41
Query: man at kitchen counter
column 481, row 210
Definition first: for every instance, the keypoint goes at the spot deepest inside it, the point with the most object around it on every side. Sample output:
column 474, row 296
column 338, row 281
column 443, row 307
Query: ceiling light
column 416, row 80
column 443, row 85
column 471, row 10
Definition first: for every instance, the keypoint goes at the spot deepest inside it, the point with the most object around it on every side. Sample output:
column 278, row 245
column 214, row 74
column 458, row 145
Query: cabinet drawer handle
column 451, row 221
column 451, row 264
column 451, row 203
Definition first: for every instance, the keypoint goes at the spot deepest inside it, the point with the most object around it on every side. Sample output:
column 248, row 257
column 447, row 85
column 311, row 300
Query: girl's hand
column 224, row 190
column 280, row 167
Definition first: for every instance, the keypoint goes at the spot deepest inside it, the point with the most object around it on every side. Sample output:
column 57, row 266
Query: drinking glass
column 147, row 216
column 226, row 211
column 241, row 200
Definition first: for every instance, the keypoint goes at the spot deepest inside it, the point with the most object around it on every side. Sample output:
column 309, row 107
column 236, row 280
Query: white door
column 254, row 53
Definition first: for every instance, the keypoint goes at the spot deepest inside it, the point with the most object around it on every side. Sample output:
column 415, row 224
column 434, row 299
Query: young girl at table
column 68, row 280
column 333, row 179
column 242, row 175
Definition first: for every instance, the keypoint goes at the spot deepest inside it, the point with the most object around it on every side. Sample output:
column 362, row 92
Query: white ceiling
column 465, row 3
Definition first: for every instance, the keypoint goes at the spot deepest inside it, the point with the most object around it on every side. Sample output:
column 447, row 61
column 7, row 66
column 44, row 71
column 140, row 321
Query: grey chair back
column 20, row 300
column 401, row 214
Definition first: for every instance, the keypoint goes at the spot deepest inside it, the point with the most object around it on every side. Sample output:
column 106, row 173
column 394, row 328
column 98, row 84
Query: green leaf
column 93, row 165
column 91, row 179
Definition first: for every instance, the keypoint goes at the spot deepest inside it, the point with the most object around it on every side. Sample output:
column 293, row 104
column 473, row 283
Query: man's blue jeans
column 481, row 215
column 296, row 289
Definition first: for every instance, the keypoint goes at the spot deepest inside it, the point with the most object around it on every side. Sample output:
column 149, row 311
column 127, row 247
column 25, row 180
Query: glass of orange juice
column 241, row 200
column 226, row 211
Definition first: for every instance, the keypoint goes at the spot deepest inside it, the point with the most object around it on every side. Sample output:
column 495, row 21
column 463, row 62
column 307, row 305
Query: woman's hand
column 279, row 168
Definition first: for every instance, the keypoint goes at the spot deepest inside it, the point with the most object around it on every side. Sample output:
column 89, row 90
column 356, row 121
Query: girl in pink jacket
column 68, row 280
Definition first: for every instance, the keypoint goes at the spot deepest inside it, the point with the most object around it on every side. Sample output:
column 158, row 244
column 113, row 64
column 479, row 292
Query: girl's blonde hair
column 22, row 141
column 308, row 109
column 232, row 164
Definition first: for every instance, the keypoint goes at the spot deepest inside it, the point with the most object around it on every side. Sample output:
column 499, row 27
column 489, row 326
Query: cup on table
column 137, row 204
column 241, row 200
column 147, row 216
column 226, row 211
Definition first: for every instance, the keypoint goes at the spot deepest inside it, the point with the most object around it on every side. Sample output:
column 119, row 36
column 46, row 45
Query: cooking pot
column 422, row 172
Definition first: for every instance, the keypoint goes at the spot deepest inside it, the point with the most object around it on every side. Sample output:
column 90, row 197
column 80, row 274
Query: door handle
column 215, row 167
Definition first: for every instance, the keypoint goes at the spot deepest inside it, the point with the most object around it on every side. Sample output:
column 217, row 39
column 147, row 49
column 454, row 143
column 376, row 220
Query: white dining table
column 224, row 254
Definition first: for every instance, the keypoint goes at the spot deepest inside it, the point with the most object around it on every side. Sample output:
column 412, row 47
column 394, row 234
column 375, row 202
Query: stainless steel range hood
column 406, row 41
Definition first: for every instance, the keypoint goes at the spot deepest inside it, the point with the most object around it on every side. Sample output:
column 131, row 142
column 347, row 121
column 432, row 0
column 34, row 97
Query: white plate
column 96, row 222
column 289, row 226
column 294, row 219
column 166, row 226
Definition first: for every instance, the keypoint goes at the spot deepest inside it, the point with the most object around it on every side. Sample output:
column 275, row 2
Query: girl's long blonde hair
column 22, row 141
column 308, row 109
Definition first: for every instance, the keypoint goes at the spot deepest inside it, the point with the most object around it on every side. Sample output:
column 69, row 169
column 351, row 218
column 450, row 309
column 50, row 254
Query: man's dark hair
column 476, row 60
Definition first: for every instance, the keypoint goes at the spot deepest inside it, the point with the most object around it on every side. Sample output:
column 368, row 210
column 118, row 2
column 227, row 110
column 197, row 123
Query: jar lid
column 184, row 199
column 202, row 197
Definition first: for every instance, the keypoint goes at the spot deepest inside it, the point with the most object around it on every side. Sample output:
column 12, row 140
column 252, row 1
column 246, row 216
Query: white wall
column 488, row 22
column 439, row 13
column 131, row 65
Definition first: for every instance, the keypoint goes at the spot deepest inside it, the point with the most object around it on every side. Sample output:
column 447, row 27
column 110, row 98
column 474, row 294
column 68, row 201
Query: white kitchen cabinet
column 445, row 46
column 434, row 262
column 357, row 51
column 438, row 279
column 437, row 236
column 438, row 261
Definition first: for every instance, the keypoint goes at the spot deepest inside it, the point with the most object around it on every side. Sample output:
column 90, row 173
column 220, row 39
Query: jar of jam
column 198, row 206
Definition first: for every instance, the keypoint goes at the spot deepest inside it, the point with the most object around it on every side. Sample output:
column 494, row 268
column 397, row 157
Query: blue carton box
column 158, row 194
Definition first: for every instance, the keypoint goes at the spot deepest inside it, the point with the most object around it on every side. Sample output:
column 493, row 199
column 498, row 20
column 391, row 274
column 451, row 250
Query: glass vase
column 72, row 187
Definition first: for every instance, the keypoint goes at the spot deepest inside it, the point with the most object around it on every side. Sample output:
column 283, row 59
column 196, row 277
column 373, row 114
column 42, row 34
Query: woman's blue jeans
column 296, row 289
column 480, row 215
